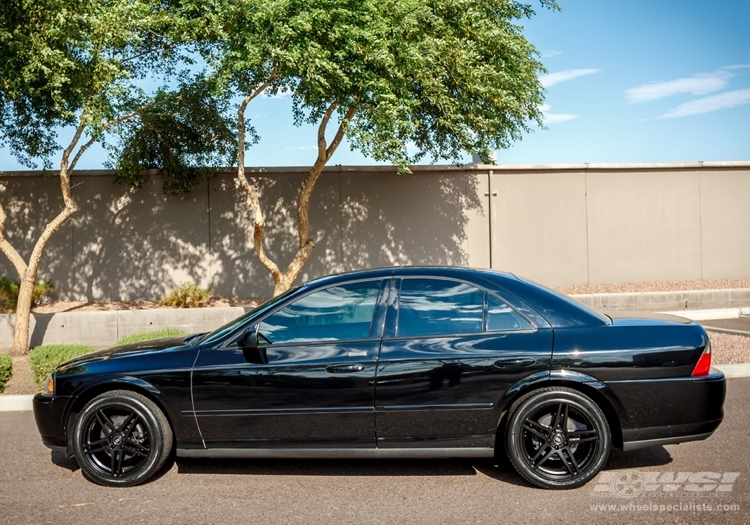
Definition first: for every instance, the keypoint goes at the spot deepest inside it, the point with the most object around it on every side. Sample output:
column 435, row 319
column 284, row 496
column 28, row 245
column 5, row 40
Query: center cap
column 117, row 440
column 558, row 439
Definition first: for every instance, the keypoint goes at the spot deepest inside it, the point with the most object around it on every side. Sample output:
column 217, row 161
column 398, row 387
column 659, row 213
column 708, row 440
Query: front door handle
column 344, row 369
column 514, row 361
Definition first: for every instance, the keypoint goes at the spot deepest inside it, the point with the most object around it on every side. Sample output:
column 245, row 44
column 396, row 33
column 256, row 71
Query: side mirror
column 249, row 344
column 249, row 339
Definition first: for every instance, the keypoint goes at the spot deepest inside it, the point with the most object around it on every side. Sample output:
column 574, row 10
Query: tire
column 557, row 438
column 121, row 439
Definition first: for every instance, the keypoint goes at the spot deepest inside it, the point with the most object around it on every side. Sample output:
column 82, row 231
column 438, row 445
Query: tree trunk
column 283, row 280
column 23, row 315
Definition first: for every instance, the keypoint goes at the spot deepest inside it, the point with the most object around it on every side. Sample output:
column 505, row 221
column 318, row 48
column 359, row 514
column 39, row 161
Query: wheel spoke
column 583, row 436
column 545, row 458
column 529, row 428
column 572, row 466
column 116, row 463
column 90, row 451
column 128, row 423
column 556, row 423
column 134, row 452
column 143, row 450
column 105, row 422
column 572, row 458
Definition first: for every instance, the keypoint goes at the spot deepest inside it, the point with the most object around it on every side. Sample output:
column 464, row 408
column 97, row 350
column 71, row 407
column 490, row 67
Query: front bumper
column 50, row 415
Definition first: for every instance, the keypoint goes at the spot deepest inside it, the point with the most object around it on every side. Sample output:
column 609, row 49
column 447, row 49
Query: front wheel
column 557, row 438
column 121, row 439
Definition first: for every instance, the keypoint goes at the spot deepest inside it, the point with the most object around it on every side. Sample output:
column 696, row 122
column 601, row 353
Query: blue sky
column 635, row 81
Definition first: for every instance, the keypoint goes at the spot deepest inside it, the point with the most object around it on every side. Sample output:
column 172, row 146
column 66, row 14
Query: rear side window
column 501, row 317
column 439, row 307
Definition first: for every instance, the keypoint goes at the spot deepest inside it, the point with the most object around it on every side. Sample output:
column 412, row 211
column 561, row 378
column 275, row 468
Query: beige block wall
column 725, row 223
column 643, row 225
column 557, row 225
column 539, row 225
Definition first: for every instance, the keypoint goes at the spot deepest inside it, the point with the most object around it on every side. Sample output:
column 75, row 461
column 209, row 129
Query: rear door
column 450, row 351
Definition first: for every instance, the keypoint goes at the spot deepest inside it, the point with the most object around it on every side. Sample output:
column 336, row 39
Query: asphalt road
column 739, row 325
column 38, row 487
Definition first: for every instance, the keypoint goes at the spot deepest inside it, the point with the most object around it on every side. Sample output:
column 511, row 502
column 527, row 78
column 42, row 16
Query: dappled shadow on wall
column 358, row 220
column 29, row 203
column 137, row 244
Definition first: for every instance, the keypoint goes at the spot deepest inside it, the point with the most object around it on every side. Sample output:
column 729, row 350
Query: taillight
column 703, row 367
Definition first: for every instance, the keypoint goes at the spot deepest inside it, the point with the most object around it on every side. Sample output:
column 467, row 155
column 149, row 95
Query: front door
column 313, row 386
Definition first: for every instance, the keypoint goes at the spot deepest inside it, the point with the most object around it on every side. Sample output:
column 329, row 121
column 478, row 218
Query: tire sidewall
column 514, row 432
column 156, row 438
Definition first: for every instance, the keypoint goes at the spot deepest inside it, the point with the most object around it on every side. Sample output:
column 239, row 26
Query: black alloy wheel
column 121, row 439
column 557, row 438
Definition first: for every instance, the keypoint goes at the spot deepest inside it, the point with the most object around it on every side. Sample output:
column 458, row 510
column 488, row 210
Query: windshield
column 235, row 323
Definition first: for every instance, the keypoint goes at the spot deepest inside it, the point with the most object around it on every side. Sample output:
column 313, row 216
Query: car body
column 416, row 362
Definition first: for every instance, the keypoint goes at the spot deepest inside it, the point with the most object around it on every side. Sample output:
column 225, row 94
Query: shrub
column 9, row 293
column 188, row 295
column 148, row 336
column 6, row 370
column 44, row 359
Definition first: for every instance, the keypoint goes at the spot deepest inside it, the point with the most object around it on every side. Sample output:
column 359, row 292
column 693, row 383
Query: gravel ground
column 22, row 380
column 663, row 286
column 88, row 306
column 729, row 348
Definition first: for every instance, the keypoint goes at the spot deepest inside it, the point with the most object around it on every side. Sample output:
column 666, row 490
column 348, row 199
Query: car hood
column 621, row 316
column 155, row 345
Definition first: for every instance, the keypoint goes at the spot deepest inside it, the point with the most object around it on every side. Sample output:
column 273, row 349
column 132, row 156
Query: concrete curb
column 660, row 301
column 15, row 403
column 713, row 314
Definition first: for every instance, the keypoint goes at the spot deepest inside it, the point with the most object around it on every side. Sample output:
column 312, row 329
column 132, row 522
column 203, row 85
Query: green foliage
column 148, row 336
column 9, row 293
column 82, row 63
column 44, row 359
column 188, row 295
column 426, row 79
column 6, row 370
column 182, row 135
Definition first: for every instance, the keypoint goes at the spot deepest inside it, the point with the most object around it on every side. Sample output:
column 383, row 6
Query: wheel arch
column 594, row 389
column 128, row 383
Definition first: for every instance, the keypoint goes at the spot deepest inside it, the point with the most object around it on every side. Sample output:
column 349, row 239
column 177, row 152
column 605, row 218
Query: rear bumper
column 670, row 411
column 49, row 413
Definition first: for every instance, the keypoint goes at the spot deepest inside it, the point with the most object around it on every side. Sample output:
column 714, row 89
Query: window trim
column 485, row 301
column 231, row 342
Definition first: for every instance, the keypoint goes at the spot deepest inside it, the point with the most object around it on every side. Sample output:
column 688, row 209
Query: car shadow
column 645, row 457
column 348, row 467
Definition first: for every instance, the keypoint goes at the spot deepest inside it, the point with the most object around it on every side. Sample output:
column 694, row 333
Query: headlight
column 49, row 386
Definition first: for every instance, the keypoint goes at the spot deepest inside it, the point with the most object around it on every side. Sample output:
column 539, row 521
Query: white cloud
column 555, row 118
column 551, row 53
column 563, row 76
column 729, row 99
column 700, row 84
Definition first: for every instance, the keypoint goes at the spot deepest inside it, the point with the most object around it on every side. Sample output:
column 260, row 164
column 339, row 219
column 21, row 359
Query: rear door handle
column 344, row 369
column 514, row 361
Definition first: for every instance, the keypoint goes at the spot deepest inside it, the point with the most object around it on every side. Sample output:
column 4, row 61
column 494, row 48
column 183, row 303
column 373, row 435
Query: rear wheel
column 557, row 438
column 121, row 439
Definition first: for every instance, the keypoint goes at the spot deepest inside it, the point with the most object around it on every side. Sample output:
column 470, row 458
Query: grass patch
column 44, row 359
column 148, row 336
column 6, row 370
column 188, row 295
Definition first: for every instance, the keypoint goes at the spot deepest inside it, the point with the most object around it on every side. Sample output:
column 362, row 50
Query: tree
column 78, row 65
column 401, row 79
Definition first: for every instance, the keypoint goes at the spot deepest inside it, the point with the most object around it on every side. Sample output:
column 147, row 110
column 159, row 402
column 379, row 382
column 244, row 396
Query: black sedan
column 393, row 363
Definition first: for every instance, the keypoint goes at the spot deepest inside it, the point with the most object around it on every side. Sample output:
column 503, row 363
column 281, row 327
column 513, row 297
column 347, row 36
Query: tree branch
column 259, row 222
column 7, row 248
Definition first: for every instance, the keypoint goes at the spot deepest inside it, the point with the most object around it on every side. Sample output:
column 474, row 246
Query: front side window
column 334, row 314
column 429, row 307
